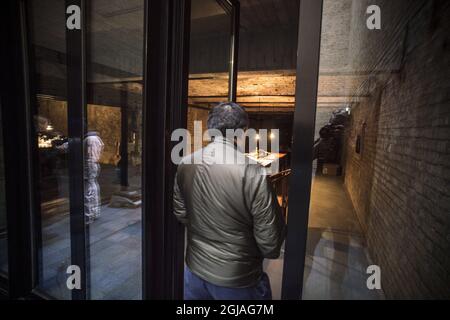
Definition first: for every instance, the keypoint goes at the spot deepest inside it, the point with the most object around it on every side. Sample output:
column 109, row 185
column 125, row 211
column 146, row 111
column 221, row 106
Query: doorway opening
column 265, row 81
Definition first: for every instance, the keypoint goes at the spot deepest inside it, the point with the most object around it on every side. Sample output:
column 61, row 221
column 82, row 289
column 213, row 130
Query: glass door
column 113, row 147
column 47, row 41
column 3, row 226
column 106, row 81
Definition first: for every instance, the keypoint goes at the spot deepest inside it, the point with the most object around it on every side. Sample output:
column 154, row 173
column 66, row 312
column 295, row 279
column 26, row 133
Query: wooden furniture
column 280, row 183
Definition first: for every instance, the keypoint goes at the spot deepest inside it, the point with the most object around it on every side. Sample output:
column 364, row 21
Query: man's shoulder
column 192, row 158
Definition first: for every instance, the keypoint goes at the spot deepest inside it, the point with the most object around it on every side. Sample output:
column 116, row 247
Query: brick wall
column 359, row 168
column 399, row 184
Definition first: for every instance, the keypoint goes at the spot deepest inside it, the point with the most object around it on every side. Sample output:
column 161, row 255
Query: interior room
column 266, row 85
column 379, row 191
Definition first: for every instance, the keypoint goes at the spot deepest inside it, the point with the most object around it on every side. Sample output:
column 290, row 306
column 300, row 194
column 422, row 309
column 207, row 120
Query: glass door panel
column 113, row 147
column 209, row 61
column 337, row 256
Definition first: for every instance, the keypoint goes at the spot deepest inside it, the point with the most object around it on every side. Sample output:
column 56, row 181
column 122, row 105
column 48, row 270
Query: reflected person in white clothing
column 93, row 148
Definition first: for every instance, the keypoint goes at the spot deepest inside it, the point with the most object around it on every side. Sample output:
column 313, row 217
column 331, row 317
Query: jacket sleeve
column 179, row 206
column 268, row 223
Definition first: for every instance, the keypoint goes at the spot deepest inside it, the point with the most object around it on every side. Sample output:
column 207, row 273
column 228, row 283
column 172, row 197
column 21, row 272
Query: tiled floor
column 114, row 252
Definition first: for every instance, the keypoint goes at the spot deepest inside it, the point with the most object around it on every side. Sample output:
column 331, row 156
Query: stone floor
column 114, row 248
column 336, row 257
column 335, row 268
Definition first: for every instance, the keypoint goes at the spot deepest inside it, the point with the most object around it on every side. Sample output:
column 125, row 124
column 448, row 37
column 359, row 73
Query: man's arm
column 179, row 206
column 268, row 223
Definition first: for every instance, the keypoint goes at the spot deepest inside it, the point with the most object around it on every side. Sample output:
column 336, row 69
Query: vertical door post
column 123, row 149
column 17, row 136
column 308, row 54
column 76, row 102
column 234, row 51
column 165, row 101
column 177, row 118
column 156, row 15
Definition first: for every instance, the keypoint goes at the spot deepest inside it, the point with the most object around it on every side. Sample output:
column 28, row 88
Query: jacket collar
column 222, row 139
column 226, row 142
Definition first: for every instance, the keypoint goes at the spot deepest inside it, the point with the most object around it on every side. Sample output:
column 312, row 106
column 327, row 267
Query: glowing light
column 49, row 128
column 257, row 137
column 272, row 135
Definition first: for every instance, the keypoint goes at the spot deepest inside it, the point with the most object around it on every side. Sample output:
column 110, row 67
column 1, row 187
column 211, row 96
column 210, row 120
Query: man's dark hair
column 227, row 115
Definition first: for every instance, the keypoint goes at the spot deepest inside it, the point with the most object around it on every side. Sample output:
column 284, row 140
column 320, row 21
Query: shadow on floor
column 336, row 256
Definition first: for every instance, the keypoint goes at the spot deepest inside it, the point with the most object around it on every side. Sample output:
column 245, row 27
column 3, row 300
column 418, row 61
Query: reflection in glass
column 264, row 90
column 112, row 147
column 93, row 148
column 336, row 255
column 47, row 42
column 209, row 60
column 279, row 180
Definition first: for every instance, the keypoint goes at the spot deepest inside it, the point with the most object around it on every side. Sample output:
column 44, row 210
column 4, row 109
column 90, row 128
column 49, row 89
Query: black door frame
column 165, row 101
column 167, row 25
column 76, row 116
column 233, row 9
column 166, row 54
column 308, row 54
column 234, row 50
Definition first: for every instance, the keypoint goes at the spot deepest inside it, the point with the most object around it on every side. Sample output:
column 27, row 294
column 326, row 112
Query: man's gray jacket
column 231, row 213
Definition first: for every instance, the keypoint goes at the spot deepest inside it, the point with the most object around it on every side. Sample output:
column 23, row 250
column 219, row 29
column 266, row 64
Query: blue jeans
column 196, row 288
